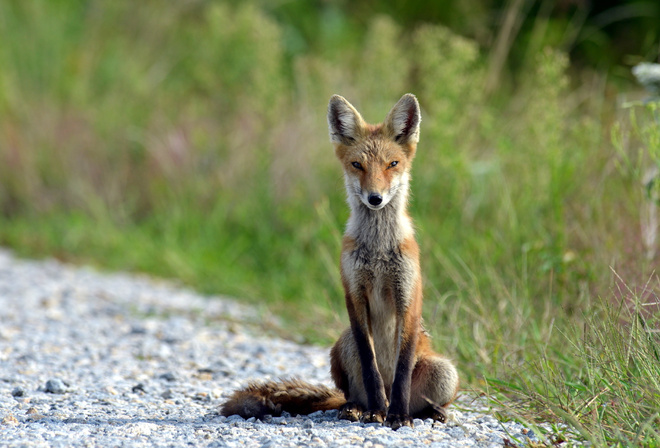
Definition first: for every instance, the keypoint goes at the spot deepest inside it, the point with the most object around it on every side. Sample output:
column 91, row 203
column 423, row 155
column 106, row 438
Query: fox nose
column 375, row 199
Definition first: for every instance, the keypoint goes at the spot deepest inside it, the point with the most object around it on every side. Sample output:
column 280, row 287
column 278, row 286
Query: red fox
column 383, row 365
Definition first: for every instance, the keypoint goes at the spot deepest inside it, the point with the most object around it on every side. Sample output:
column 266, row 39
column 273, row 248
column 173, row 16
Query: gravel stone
column 169, row 376
column 55, row 386
column 148, row 364
column 17, row 392
column 10, row 420
column 138, row 388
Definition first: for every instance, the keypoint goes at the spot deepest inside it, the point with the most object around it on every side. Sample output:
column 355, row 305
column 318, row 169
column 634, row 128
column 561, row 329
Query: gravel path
column 89, row 359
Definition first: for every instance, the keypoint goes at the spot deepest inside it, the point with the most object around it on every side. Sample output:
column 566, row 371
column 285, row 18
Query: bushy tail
column 273, row 397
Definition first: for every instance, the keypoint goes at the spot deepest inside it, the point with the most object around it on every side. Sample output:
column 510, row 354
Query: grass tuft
column 604, row 384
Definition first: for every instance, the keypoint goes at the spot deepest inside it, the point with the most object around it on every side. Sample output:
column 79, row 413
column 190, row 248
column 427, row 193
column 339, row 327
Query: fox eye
column 357, row 165
column 393, row 164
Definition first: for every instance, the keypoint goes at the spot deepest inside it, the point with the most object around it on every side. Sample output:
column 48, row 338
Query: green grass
column 604, row 382
column 190, row 142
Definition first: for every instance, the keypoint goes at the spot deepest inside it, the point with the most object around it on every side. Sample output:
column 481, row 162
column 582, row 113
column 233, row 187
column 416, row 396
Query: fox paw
column 439, row 415
column 350, row 411
column 396, row 421
column 373, row 417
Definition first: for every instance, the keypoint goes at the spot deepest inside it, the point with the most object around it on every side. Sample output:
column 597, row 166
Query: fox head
column 376, row 158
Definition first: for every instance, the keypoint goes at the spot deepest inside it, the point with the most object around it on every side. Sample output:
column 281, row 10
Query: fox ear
column 404, row 119
column 344, row 122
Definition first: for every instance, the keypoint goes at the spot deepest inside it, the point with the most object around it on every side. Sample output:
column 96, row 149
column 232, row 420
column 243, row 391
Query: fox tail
column 273, row 397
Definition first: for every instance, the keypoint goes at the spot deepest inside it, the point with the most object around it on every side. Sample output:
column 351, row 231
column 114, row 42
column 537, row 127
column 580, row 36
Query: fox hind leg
column 434, row 387
column 346, row 372
column 433, row 411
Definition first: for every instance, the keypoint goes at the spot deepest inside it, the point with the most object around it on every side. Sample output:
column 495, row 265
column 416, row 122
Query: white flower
column 648, row 75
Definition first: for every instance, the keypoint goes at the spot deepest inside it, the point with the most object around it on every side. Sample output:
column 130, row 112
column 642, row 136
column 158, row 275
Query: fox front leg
column 407, row 330
column 372, row 380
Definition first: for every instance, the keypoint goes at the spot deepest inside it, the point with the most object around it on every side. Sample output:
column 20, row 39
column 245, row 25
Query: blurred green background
column 188, row 140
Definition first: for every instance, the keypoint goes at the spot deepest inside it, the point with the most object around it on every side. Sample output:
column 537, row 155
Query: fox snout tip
column 375, row 199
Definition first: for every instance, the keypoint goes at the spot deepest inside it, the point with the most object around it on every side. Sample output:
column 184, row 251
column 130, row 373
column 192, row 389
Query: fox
column 383, row 365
